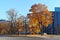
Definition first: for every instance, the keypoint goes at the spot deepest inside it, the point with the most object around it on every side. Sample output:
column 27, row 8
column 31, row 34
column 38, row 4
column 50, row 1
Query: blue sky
column 23, row 6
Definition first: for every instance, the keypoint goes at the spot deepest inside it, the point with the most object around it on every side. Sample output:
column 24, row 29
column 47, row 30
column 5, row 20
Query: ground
column 30, row 37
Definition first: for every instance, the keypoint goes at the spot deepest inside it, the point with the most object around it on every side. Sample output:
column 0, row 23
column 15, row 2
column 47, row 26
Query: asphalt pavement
column 53, row 37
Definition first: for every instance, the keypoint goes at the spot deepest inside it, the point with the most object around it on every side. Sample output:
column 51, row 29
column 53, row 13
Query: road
column 30, row 38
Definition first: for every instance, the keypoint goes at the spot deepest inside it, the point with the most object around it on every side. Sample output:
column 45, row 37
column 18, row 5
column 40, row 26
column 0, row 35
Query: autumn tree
column 4, row 27
column 12, row 16
column 19, row 25
column 39, row 17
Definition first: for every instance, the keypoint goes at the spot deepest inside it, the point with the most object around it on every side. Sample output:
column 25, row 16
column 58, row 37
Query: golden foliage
column 40, row 14
column 4, row 28
column 19, row 25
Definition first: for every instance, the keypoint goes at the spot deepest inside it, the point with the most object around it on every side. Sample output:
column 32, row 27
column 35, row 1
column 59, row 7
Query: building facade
column 54, row 28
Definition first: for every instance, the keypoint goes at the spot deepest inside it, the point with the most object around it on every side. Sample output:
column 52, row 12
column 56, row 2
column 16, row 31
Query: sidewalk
column 41, row 36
